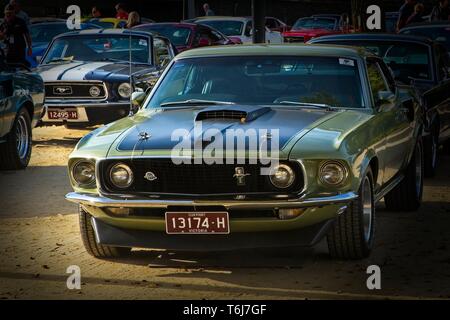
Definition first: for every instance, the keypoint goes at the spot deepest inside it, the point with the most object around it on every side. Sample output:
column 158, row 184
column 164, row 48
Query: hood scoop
column 238, row 113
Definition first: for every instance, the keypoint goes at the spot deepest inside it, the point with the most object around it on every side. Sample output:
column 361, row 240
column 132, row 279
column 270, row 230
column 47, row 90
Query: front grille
column 294, row 39
column 221, row 114
column 75, row 90
column 194, row 179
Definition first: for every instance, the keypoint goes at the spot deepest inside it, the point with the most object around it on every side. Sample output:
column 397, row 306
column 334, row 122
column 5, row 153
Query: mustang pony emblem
column 240, row 175
column 62, row 90
column 150, row 176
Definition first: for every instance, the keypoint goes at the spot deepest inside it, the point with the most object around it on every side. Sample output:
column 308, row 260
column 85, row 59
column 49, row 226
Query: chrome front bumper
column 140, row 202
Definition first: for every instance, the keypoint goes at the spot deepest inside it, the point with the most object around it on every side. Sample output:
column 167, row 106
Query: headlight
column 332, row 173
column 121, row 176
column 124, row 90
column 282, row 176
column 83, row 173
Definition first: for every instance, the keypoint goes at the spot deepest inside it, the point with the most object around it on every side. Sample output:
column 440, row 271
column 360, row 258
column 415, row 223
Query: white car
column 239, row 27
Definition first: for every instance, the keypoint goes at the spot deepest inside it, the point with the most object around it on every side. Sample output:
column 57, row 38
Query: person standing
column 121, row 11
column 15, row 35
column 20, row 13
column 406, row 10
column 441, row 11
column 133, row 20
column 207, row 9
column 417, row 16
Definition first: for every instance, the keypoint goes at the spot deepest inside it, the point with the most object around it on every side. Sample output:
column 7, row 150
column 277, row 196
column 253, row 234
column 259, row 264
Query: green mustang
column 253, row 146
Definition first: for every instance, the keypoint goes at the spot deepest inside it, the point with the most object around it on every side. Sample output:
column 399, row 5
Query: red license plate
column 62, row 114
column 197, row 223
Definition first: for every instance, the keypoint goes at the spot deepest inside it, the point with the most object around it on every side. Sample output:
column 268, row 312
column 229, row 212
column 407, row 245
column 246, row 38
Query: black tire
column 407, row 195
column 431, row 147
column 91, row 245
column 15, row 152
column 352, row 235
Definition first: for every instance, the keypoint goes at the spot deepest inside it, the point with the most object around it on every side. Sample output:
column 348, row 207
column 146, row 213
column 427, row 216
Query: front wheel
column 352, row 235
column 407, row 195
column 92, row 247
column 15, row 152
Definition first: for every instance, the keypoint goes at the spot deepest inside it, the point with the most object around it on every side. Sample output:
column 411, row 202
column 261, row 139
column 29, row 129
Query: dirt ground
column 39, row 240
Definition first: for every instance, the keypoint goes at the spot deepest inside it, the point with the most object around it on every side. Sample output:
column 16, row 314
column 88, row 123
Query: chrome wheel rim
column 22, row 137
column 418, row 160
column 367, row 205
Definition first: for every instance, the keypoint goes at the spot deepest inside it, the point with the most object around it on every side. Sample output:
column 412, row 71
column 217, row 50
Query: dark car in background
column 438, row 31
column 422, row 63
column 21, row 107
column 185, row 36
column 275, row 24
column 42, row 34
column 306, row 29
column 89, row 75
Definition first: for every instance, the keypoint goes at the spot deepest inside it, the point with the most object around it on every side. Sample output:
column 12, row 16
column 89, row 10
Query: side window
column 388, row 75
column 376, row 79
column 248, row 29
column 162, row 52
column 443, row 64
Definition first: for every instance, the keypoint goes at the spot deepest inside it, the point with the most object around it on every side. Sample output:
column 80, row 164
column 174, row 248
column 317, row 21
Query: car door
column 441, row 93
column 5, row 93
column 2, row 106
column 396, row 114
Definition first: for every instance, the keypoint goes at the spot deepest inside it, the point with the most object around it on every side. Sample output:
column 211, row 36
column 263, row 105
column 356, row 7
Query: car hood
column 103, row 71
column 166, row 127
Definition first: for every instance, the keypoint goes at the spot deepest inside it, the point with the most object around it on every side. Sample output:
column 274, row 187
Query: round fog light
column 282, row 176
column 333, row 173
column 83, row 173
column 286, row 214
column 124, row 90
column 121, row 176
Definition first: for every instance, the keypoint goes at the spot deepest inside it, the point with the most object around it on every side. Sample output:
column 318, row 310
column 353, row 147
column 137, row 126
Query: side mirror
column 38, row 59
column 385, row 97
column 137, row 98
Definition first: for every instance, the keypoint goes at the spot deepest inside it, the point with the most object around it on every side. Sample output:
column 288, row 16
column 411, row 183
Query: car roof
column 175, row 24
column 105, row 31
column 426, row 24
column 282, row 49
column 243, row 19
column 324, row 15
column 373, row 36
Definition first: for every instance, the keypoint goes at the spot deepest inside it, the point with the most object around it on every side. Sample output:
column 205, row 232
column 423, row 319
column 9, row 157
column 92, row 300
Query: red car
column 185, row 36
column 307, row 28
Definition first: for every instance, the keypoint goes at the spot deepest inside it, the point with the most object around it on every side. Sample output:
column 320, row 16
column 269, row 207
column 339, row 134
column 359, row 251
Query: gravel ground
column 39, row 240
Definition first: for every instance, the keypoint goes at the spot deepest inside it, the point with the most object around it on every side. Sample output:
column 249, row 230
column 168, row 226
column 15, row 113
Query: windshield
column 439, row 34
column 99, row 47
column 262, row 80
column 405, row 59
column 179, row 36
column 315, row 23
column 227, row 27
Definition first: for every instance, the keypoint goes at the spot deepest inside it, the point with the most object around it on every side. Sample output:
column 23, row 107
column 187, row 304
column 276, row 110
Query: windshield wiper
column 308, row 104
column 195, row 102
